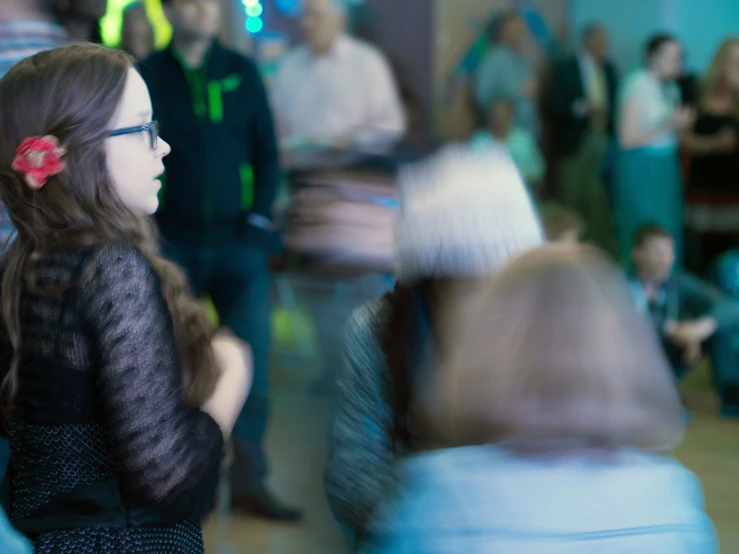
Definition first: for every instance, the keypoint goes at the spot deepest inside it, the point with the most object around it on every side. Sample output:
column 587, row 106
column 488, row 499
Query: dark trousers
column 237, row 279
column 724, row 359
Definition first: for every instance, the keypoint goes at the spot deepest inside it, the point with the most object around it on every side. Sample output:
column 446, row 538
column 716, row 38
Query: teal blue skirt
column 648, row 190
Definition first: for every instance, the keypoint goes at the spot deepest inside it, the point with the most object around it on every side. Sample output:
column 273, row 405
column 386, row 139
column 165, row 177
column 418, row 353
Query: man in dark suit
column 584, row 104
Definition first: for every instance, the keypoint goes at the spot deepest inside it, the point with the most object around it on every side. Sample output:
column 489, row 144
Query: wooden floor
column 297, row 448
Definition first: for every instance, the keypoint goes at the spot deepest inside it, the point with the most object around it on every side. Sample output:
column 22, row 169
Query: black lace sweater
column 104, row 456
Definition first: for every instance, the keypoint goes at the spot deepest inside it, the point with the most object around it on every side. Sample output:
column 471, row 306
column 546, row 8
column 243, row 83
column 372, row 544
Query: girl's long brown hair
column 73, row 93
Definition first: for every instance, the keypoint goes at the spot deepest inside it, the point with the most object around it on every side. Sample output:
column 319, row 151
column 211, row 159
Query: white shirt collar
column 337, row 50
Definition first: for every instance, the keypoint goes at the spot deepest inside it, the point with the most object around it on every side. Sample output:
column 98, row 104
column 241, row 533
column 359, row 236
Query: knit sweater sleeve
column 360, row 474
column 169, row 455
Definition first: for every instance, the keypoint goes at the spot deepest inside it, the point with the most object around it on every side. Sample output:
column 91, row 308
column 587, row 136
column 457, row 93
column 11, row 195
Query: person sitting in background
column 498, row 128
column 335, row 91
column 561, row 224
column 548, row 439
column 687, row 314
column 137, row 32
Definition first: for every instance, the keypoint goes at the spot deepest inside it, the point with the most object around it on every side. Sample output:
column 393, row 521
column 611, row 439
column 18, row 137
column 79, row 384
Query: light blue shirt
column 504, row 73
column 486, row 500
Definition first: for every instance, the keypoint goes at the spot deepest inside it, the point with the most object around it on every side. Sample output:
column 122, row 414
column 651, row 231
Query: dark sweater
column 105, row 458
column 224, row 163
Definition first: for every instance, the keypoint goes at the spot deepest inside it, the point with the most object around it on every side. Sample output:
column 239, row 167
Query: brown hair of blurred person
column 81, row 17
column 561, row 224
column 554, row 355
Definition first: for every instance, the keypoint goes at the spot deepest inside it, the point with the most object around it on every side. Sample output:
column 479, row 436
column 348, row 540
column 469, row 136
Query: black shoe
column 263, row 504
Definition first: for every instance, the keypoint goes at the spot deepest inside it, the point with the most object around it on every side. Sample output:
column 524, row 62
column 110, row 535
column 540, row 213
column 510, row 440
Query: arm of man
column 264, row 155
column 385, row 116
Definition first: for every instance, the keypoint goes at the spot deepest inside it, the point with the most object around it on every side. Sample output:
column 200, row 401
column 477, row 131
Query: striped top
column 19, row 40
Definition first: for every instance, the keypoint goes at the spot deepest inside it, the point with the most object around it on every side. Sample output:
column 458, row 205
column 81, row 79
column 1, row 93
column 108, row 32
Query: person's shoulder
column 154, row 68
column 364, row 329
column 367, row 320
column 108, row 265
column 155, row 60
column 246, row 65
column 296, row 56
column 364, row 49
column 638, row 79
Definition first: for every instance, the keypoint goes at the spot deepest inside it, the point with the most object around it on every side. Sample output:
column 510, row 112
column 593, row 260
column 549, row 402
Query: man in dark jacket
column 584, row 103
column 216, row 205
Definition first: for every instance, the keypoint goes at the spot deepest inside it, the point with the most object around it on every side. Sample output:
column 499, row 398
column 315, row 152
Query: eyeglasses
column 151, row 128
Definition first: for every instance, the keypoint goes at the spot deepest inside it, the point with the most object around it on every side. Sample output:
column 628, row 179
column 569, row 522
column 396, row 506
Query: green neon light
column 110, row 26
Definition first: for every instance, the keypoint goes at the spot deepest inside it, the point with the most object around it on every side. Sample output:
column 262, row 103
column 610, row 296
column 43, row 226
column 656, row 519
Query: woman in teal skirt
column 648, row 186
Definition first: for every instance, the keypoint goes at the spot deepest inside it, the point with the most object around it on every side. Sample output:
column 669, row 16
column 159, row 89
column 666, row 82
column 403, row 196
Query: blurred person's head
column 194, row 20
column 653, row 254
column 137, row 32
column 91, row 10
column 596, row 42
column 323, row 21
column 561, row 224
column 97, row 185
column 512, row 31
column 81, row 18
column 500, row 116
column 464, row 216
column 724, row 70
column 664, row 57
column 553, row 357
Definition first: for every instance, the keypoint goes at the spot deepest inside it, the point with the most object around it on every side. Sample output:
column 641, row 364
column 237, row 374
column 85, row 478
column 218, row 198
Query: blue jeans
column 238, row 281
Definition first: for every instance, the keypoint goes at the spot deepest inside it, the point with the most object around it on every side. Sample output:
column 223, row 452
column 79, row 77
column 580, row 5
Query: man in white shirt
column 335, row 91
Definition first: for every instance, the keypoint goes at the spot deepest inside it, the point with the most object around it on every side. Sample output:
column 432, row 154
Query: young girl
column 543, row 423
column 115, row 401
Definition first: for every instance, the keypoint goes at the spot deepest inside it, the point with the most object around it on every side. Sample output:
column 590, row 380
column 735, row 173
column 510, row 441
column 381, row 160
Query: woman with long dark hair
column 464, row 215
column 116, row 398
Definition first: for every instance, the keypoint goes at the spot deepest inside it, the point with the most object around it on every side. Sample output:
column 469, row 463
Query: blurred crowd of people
column 522, row 370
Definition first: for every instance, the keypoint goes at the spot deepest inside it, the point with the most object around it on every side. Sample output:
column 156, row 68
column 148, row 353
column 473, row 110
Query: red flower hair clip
column 38, row 158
